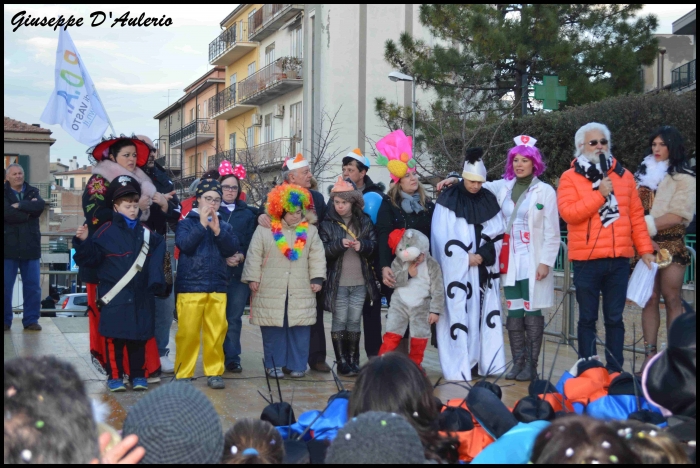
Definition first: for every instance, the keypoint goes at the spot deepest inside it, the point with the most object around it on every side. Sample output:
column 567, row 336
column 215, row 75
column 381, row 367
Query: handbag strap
column 521, row 199
column 347, row 230
column 135, row 268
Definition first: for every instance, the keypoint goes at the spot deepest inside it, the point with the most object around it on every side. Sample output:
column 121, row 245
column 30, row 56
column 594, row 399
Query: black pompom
column 472, row 155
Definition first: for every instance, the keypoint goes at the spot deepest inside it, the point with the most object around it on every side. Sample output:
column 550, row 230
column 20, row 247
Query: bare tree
column 323, row 150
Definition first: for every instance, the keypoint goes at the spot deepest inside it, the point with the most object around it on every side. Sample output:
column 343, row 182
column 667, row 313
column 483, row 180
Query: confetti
column 273, row 442
column 548, row 435
column 12, row 391
column 613, row 459
column 348, row 437
column 641, row 435
column 652, row 433
column 415, row 414
column 383, row 423
column 40, row 424
column 605, row 444
column 234, row 450
column 26, row 455
column 691, row 443
column 40, row 398
column 562, row 428
column 569, row 452
column 595, row 462
column 621, row 432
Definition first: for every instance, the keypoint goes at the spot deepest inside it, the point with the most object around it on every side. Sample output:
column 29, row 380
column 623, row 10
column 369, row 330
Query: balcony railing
column 191, row 134
column 44, row 190
column 277, row 78
column 267, row 154
column 683, row 76
column 231, row 45
column 269, row 18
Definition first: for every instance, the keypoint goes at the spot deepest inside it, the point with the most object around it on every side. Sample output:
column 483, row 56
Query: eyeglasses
column 603, row 142
column 230, row 188
column 212, row 200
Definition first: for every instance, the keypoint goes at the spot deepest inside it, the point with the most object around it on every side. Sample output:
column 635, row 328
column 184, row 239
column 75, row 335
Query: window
column 270, row 54
column 199, row 111
column 295, row 121
column 192, row 114
column 80, row 300
column 205, row 115
column 72, row 182
column 297, row 42
column 250, row 137
column 59, row 182
column 267, row 129
column 54, row 199
column 232, row 142
column 251, row 68
column 170, row 119
column 192, row 166
column 84, row 182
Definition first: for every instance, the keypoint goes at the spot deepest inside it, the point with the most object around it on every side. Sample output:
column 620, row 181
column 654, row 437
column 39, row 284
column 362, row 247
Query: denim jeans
column 349, row 302
column 608, row 276
column 31, row 289
column 236, row 299
column 165, row 306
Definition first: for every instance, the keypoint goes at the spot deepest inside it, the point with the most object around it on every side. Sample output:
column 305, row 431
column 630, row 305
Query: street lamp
column 397, row 76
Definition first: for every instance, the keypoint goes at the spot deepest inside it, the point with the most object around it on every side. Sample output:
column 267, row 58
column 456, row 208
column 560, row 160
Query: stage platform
column 67, row 338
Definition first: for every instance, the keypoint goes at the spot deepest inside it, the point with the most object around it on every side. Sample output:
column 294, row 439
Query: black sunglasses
column 603, row 141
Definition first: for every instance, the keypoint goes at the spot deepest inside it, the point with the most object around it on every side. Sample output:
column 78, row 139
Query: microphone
column 604, row 164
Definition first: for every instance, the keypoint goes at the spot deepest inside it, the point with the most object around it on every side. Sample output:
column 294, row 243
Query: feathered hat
column 287, row 198
column 396, row 153
column 348, row 191
column 100, row 152
column 295, row 163
column 474, row 168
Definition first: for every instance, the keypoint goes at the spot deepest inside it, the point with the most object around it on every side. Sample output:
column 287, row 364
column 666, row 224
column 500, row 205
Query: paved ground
column 67, row 338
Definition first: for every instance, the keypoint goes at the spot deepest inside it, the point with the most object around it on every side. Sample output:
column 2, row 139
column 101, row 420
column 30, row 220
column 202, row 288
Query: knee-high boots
column 516, row 336
column 534, row 331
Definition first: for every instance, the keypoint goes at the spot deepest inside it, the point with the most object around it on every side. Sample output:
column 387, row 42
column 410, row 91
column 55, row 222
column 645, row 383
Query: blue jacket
column 112, row 250
column 243, row 220
column 202, row 266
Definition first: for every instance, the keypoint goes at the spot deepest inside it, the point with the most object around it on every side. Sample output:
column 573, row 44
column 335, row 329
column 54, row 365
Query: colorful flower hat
column 100, row 152
column 287, row 198
column 396, row 153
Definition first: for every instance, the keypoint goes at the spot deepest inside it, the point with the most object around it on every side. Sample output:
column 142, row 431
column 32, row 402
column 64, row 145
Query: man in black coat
column 165, row 211
column 355, row 167
column 23, row 207
column 297, row 171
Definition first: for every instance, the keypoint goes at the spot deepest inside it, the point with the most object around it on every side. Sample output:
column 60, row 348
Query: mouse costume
column 469, row 334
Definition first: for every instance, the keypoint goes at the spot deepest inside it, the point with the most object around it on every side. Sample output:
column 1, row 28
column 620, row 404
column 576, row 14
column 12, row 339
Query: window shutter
column 23, row 160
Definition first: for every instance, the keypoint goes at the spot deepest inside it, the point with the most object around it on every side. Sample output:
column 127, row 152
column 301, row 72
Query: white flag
column 74, row 102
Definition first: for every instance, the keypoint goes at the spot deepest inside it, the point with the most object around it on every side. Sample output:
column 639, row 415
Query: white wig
column 581, row 135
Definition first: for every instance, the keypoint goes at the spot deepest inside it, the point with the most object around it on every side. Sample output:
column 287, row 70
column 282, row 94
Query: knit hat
column 347, row 190
column 295, row 163
column 474, row 168
column 208, row 186
column 287, row 198
column 176, row 423
column 376, row 437
column 396, row 153
column 121, row 186
column 357, row 155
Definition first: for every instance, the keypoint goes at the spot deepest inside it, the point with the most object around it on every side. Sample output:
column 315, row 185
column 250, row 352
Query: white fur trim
column 111, row 170
column 655, row 172
column 651, row 225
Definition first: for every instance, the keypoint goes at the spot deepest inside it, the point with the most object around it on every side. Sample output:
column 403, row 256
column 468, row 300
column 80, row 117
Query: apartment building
column 187, row 137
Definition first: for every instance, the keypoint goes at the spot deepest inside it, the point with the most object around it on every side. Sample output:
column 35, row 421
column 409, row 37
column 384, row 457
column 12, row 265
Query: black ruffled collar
column 475, row 208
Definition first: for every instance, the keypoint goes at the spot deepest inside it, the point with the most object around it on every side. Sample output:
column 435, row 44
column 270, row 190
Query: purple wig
column 531, row 153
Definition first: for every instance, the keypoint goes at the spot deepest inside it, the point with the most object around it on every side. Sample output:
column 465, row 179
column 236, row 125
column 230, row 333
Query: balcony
column 275, row 79
column 193, row 134
column 267, row 155
column 231, row 45
column 223, row 105
column 270, row 18
column 683, row 77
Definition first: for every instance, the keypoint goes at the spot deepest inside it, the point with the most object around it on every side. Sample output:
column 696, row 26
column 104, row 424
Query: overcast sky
column 132, row 67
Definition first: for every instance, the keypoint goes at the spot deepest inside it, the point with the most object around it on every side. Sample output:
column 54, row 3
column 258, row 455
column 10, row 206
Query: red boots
column 391, row 342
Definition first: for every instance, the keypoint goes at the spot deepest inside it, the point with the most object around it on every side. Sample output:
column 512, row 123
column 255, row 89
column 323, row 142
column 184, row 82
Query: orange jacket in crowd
column 579, row 205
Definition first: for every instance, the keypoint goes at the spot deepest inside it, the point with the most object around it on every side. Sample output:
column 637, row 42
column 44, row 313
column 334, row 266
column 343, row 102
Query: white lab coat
column 545, row 238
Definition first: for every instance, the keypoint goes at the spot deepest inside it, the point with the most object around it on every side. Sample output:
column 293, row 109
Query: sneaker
column 155, row 377
column 216, row 382
column 234, row 367
column 139, row 384
column 33, row 327
column 275, row 372
column 166, row 365
column 116, row 385
column 297, row 374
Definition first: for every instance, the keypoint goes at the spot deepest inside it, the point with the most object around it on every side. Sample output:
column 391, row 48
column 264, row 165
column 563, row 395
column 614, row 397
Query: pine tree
column 596, row 50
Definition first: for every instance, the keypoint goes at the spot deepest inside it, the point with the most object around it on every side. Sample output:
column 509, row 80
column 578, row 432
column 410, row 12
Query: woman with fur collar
column 112, row 158
column 666, row 186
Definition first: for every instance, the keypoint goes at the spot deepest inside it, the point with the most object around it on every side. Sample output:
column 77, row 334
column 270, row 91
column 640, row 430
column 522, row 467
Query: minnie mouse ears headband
column 225, row 169
column 524, row 140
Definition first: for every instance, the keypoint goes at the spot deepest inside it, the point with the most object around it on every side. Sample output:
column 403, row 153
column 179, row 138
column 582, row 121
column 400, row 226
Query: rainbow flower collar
column 292, row 253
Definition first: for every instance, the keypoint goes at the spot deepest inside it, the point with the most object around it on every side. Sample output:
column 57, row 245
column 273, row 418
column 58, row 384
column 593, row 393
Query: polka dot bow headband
column 225, row 169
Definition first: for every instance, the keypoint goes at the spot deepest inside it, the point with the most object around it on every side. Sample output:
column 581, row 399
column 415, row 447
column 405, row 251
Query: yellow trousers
column 203, row 313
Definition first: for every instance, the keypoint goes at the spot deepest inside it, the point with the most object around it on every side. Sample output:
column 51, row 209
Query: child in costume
column 285, row 268
column 418, row 297
column 350, row 242
column 205, row 244
column 127, row 318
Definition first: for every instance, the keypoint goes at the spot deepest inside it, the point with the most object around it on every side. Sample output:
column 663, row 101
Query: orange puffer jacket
column 579, row 205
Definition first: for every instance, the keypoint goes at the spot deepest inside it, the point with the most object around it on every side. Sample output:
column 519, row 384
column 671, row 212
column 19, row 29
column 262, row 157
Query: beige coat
column 279, row 276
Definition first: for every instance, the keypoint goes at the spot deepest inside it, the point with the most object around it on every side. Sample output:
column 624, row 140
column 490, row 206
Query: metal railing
column 44, row 190
column 261, row 17
column 190, row 130
column 266, row 77
column 222, row 101
column 269, row 153
column 683, row 76
column 229, row 155
column 238, row 32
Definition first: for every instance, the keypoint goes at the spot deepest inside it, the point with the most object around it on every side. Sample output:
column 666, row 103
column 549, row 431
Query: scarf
column 230, row 207
column 131, row 223
column 609, row 212
column 651, row 172
column 411, row 203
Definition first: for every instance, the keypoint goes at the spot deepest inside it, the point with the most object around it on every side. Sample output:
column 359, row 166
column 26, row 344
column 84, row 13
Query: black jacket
column 370, row 186
column 243, row 221
column 111, row 251
column 22, row 232
column 158, row 220
column 332, row 235
column 391, row 217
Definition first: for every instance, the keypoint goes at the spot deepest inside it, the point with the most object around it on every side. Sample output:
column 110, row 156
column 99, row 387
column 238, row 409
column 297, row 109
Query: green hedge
column 630, row 118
